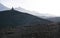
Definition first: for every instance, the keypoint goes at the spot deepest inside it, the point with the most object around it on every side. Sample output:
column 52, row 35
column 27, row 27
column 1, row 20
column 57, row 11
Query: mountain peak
column 12, row 8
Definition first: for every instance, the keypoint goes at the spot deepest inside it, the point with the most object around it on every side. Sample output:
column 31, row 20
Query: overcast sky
column 41, row 6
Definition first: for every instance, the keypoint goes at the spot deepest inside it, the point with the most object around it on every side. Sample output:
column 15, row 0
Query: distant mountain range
column 54, row 19
column 13, row 17
column 2, row 7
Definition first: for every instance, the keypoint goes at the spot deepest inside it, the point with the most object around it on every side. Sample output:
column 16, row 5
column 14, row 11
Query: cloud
column 41, row 6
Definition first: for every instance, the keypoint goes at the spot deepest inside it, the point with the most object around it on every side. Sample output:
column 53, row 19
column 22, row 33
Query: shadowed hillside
column 14, row 18
column 15, row 24
column 34, row 31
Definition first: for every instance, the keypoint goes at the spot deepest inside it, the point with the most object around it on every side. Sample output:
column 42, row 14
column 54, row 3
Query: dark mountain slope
column 13, row 17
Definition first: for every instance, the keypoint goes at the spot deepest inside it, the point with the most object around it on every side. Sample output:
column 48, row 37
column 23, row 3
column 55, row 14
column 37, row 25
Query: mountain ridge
column 13, row 17
column 3, row 8
column 34, row 13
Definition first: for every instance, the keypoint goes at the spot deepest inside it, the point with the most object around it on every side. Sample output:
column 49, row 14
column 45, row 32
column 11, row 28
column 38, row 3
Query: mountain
column 15, row 18
column 34, row 13
column 54, row 19
column 2, row 7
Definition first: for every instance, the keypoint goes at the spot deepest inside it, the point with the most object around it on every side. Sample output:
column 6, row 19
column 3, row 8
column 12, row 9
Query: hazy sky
column 41, row 6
